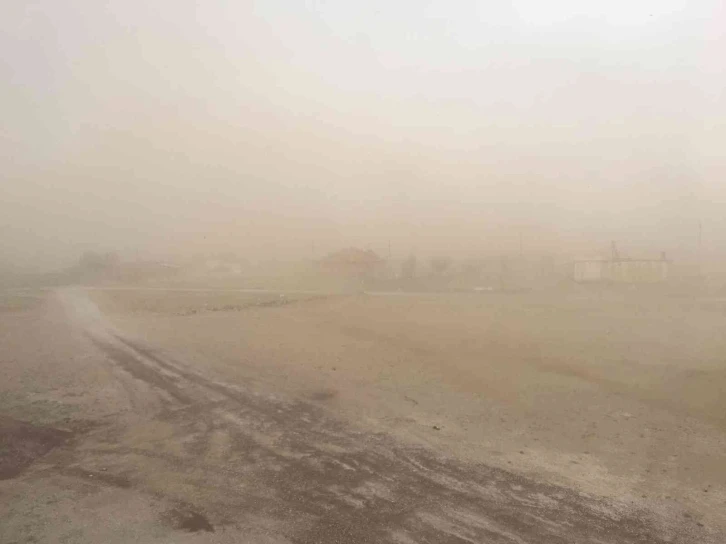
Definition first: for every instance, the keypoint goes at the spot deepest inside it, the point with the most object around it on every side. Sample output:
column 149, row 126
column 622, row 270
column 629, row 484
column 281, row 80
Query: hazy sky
column 176, row 127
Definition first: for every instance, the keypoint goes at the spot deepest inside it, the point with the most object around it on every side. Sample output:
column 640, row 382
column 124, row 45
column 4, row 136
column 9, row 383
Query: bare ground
column 286, row 423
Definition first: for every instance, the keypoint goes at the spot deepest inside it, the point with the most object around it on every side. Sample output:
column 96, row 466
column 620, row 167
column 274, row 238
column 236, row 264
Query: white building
column 621, row 270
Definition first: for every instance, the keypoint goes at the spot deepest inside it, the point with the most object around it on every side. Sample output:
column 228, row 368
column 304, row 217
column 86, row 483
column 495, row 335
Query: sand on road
column 342, row 419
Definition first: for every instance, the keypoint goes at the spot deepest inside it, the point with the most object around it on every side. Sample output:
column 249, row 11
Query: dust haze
column 337, row 272
column 263, row 128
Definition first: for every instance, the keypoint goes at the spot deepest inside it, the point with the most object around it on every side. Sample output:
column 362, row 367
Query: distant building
column 620, row 270
column 352, row 263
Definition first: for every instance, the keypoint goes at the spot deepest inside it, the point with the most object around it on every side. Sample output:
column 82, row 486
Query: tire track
column 327, row 482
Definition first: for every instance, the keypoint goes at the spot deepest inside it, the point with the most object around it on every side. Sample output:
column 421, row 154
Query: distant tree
column 408, row 268
column 440, row 265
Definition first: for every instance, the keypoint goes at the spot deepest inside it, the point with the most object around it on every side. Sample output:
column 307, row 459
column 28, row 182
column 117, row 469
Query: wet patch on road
column 187, row 520
column 22, row 443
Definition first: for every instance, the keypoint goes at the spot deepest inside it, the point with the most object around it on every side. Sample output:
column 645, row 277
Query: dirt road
column 109, row 439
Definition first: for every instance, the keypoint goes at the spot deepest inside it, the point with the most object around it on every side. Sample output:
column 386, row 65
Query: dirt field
column 193, row 416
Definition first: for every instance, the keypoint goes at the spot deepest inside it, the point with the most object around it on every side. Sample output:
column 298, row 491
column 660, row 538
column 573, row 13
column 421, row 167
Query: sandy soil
column 243, row 417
